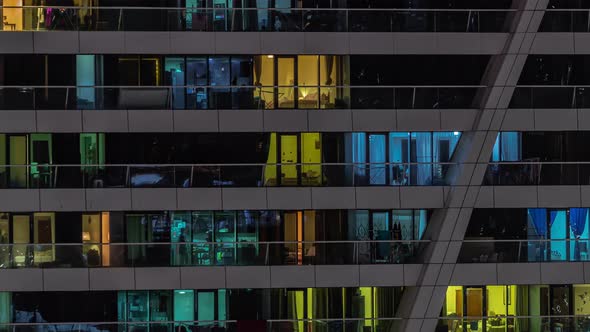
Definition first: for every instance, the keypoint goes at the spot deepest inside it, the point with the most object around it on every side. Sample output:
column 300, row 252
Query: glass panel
column 184, row 305
column 560, row 305
column 91, row 227
column 582, row 300
column 18, row 156
column 474, row 308
column 399, row 152
column 4, row 239
column 174, row 76
column 558, row 231
column 360, row 230
column 44, row 232
column 497, row 305
column 421, row 153
column 196, row 75
column 40, row 155
column 286, row 82
column 205, row 306
column 219, row 77
column 264, row 79
column 150, row 69
column 180, row 232
column 137, row 306
column 247, row 231
column 309, row 235
column 85, row 80
column 241, row 75
column 311, row 158
column 160, row 306
column 454, row 304
column 202, row 231
column 225, row 231
column 308, row 81
column 579, row 234
column 292, row 229
column 12, row 17
column 296, row 308
column 5, row 310
column 21, row 233
column 382, row 232
column 377, row 158
column 289, row 159
column 3, row 156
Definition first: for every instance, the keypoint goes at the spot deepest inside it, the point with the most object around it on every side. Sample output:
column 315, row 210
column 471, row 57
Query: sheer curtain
column 423, row 155
column 359, row 152
column 377, row 158
column 507, row 147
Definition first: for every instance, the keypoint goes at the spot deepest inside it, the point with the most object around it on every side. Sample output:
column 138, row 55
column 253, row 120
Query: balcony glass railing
column 226, row 175
column 548, row 96
column 503, row 322
column 41, row 18
column 537, row 173
column 566, row 20
column 497, row 322
column 241, row 253
column 271, row 325
column 524, row 251
column 236, row 97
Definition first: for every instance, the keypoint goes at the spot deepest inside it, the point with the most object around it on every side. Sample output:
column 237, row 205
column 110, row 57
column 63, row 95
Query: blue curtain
column 539, row 217
column 359, row 152
column 578, row 220
column 577, row 225
column 510, row 144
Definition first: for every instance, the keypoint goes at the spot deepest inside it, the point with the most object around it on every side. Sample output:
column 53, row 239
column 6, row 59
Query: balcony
column 203, row 254
column 220, row 176
column 31, row 18
column 237, row 97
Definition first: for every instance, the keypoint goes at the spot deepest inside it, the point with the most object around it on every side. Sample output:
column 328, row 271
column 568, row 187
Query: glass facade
column 247, row 160
column 294, row 165
column 209, row 238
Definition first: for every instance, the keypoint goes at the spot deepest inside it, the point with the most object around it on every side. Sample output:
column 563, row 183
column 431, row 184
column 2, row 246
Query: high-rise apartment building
column 295, row 165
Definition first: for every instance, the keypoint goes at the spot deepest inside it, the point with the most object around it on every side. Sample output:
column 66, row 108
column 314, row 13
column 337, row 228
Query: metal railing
column 42, row 18
column 278, row 325
column 221, row 253
column 47, row 176
column 504, row 322
column 266, row 253
column 523, row 173
column 195, row 97
column 500, row 322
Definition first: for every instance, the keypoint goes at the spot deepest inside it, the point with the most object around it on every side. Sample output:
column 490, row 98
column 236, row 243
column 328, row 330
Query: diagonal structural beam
column 420, row 306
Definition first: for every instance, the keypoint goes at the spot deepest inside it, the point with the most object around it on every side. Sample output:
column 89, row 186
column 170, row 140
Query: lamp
column 86, row 236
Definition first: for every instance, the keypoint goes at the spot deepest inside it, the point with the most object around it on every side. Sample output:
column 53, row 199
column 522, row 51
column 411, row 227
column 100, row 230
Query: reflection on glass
column 286, row 82
column 91, row 234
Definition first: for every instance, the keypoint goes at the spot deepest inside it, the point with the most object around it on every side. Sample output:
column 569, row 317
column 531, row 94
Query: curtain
column 423, row 155
column 510, row 146
column 377, row 158
column 329, row 68
column 577, row 225
column 539, row 218
column 359, row 152
column 578, row 220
